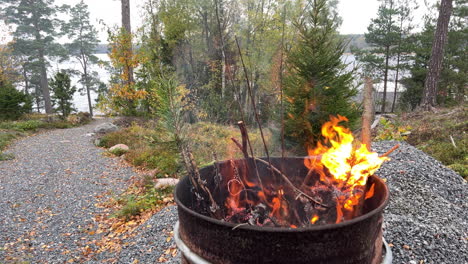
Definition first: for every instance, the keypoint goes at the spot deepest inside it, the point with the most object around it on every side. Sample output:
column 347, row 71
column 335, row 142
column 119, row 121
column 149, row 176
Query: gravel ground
column 48, row 195
column 426, row 220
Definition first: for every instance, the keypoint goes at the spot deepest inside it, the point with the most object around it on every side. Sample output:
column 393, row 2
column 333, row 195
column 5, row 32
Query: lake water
column 80, row 101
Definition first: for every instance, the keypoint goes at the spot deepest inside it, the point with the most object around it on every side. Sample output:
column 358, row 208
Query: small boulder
column 119, row 149
column 165, row 182
column 105, row 128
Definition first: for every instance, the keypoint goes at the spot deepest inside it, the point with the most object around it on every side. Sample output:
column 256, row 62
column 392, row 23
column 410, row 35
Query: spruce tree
column 318, row 84
column 62, row 93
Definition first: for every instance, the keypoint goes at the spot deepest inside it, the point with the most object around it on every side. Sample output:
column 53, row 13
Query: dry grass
column 433, row 133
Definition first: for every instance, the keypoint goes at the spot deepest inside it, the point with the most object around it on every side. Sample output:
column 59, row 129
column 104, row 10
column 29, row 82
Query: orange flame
column 348, row 166
column 343, row 166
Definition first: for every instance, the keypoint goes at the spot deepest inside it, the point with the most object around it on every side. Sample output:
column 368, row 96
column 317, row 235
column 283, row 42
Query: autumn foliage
column 123, row 94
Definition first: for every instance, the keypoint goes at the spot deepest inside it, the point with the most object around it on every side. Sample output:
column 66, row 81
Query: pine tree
column 317, row 84
column 437, row 54
column 63, row 93
column 84, row 40
column 383, row 33
column 35, row 34
column 420, row 46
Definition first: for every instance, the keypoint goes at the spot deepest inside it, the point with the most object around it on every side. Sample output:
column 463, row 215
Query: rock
column 121, row 147
column 164, row 182
column 105, row 128
column 90, row 134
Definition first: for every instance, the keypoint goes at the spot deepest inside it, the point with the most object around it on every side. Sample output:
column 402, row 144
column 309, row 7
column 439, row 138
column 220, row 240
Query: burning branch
column 390, row 151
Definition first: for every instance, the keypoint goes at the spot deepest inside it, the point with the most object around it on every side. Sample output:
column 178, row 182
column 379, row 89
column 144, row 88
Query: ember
column 332, row 188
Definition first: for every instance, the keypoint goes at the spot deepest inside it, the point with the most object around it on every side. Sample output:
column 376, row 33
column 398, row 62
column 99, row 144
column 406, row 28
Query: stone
column 165, row 182
column 105, row 128
column 122, row 147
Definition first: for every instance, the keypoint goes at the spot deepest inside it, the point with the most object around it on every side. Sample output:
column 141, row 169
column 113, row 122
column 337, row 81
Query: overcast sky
column 356, row 14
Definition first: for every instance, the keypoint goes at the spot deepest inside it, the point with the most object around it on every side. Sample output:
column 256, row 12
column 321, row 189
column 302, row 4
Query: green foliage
column 392, row 130
column 13, row 103
column 30, row 125
column 62, row 93
column 461, row 169
column 6, row 137
column 4, row 156
column 151, row 148
column 318, row 84
column 133, row 205
column 420, row 46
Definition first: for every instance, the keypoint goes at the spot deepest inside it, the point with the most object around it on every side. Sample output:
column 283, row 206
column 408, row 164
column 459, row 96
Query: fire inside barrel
column 331, row 189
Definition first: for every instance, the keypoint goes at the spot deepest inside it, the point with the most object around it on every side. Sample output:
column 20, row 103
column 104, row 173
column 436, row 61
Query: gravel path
column 48, row 195
column 425, row 221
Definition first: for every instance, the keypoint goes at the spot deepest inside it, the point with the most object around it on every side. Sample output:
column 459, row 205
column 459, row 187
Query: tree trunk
column 223, row 54
column 128, row 28
column 88, row 93
column 367, row 115
column 387, row 57
column 26, row 82
column 435, row 63
column 44, row 83
column 396, row 79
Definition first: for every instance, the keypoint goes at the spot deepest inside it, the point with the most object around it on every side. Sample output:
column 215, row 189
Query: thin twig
column 390, row 151
column 253, row 102
column 285, row 178
column 281, row 84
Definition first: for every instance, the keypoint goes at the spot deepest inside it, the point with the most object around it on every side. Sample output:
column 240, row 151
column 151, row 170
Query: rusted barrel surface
column 356, row 241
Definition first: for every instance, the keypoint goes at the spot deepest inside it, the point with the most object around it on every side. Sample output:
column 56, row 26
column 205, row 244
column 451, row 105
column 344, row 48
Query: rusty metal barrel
column 203, row 239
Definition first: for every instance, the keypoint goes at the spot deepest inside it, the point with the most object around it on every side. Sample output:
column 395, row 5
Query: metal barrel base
column 188, row 256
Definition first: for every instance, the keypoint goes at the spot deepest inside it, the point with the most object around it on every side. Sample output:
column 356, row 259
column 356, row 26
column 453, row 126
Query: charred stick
column 285, row 178
column 390, row 151
column 253, row 103
column 246, row 142
column 246, row 155
column 196, row 180
column 245, row 138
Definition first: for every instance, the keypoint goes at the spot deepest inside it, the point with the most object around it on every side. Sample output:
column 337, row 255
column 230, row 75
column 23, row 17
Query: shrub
column 62, row 93
column 392, row 130
column 13, row 103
